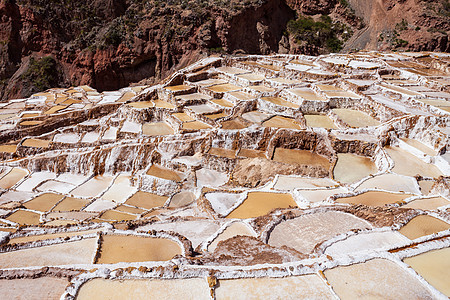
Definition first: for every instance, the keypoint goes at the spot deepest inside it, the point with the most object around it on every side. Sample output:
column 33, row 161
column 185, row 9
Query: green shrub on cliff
column 322, row 33
column 42, row 73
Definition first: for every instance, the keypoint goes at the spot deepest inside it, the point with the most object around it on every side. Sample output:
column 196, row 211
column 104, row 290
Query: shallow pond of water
column 261, row 203
column 407, row 164
column 146, row 200
column 24, row 217
column 155, row 129
column 374, row 198
column 13, row 177
column 179, row 289
column 434, row 267
column 423, row 225
column 165, row 173
column 355, row 118
column 43, row 202
column 351, row 167
column 319, row 121
column 281, row 122
column 301, row 157
column 122, row 248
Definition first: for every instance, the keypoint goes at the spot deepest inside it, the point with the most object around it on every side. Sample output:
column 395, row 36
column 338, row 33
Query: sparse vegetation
column 42, row 73
column 403, row 25
column 323, row 33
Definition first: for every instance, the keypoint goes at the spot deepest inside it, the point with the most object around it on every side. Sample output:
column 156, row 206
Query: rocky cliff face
column 109, row 44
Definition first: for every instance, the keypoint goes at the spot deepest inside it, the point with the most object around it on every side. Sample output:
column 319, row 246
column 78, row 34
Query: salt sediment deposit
column 237, row 177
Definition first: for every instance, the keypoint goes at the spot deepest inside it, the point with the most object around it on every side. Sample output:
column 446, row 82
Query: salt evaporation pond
column 261, row 203
column 351, row 167
column 423, row 225
column 434, row 267
column 119, row 248
column 194, row 288
column 375, row 279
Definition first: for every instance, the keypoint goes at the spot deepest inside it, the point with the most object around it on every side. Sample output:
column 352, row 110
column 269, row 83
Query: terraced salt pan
column 100, row 205
column 391, row 182
column 221, row 152
column 376, row 278
column 196, row 231
column 423, row 225
column 69, row 138
column 320, row 121
column 251, row 153
column 43, row 237
column 407, row 164
column 234, row 124
column 24, row 217
column 71, row 215
column 15, row 196
column 294, row 287
column 121, row 189
column 241, row 96
column 146, row 200
column 285, row 182
column 211, row 178
column 202, row 109
column 131, row 127
column 280, row 101
column 195, row 125
column 70, row 203
column 434, row 267
column 252, row 77
column 51, row 288
column 156, row 129
column 428, row 203
column 235, row 229
column 34, row 180
column 222, row 102
column 93, row 187
column 210, row 82
column 163, row 104
column 182, row 199
column 420, row 146
column 222, row 88
column 301, row 157
column 165, row 173
column 305, row 232
column 13, row 177
column 217, row 116
column 355, row 118
column 43, row 202
column 261, row 203
column 321, row 195
column 69, row 253
column 113, row 215
column 223, row 202
column 365, row 242
column 110, row 134
column 307, row 94
column 183, row 117
column 374, row 198
column 90, row 137
column 190, row 288
column 142, row 104
column 30, row 123
column 56, row 186
column 351, row 167
column 255, row 116
column 282, row 122
column 8, row 148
